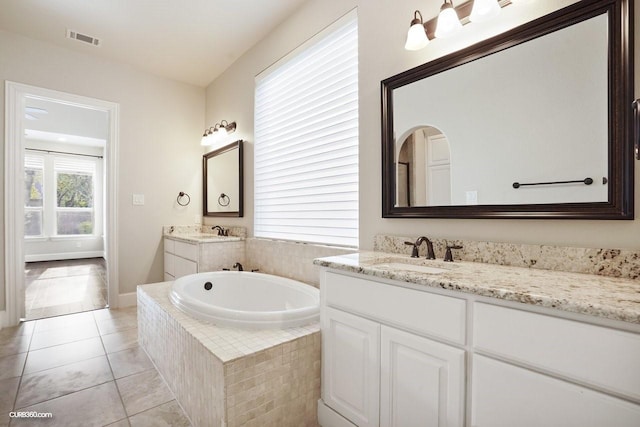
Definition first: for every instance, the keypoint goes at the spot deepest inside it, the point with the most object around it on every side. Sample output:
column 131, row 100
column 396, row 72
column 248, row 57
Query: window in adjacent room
column 60, row 195
column 306, row 141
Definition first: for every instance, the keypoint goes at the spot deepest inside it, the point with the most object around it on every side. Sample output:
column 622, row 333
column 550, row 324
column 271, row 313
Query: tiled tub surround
column 601, row 296
column 231, row 377
column 293, row 260
column 602, row 262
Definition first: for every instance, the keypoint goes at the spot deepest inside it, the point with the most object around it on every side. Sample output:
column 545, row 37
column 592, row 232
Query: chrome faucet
column 420, row 240
column 238, row 266
column 221, row 231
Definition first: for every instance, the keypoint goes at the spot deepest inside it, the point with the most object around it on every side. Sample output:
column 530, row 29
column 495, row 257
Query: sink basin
column 410, row 267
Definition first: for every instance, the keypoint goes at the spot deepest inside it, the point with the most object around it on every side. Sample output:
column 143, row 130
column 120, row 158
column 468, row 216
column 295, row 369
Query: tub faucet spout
column 221, row 231
column 238, row 266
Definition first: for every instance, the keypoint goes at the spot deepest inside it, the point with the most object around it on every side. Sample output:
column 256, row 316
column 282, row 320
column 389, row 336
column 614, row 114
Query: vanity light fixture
column 451, row 19
column 217, row 132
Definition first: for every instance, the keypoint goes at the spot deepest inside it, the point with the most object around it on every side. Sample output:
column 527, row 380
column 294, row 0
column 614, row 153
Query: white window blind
column 306, row 141
column 76, row 165
column 33, row 162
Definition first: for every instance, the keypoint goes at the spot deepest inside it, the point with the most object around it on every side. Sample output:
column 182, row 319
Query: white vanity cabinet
column 377, row 367
column 180, row 259
column 183, row 257
column 532, row 369
column 396, row 356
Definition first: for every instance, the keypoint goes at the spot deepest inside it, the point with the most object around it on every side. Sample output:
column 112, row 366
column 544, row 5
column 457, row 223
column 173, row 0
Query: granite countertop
column 199, row 237
column 601, row 296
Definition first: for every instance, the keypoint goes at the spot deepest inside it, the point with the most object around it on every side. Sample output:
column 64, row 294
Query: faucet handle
column 414, row 251
column 448, row 257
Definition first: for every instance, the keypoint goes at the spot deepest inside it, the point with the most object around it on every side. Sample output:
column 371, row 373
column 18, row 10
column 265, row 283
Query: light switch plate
column 138, row 199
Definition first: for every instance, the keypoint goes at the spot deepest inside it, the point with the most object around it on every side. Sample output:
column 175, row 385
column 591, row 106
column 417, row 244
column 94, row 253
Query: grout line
column 112, row 373
column 15, row 398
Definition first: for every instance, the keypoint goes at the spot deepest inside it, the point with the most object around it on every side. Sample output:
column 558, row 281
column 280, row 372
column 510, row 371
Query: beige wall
column 382, row 29
column 161, row 122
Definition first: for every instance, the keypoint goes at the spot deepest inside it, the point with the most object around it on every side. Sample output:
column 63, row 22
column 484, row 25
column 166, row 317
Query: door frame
column 15, row 95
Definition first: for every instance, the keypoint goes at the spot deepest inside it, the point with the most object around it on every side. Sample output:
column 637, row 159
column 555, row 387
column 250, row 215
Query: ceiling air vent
column 71, row 34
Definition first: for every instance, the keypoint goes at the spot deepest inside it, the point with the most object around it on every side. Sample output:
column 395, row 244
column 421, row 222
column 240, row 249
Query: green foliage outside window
column 75, row 190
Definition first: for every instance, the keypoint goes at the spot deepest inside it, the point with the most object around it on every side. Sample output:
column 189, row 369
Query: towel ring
column 223, row 200
column 181, row 195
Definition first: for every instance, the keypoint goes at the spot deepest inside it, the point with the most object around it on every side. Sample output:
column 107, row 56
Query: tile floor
column 87, row 370
column 54, row 288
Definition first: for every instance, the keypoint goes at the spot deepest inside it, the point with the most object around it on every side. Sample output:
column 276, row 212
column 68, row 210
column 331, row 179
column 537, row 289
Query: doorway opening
column 60, row 252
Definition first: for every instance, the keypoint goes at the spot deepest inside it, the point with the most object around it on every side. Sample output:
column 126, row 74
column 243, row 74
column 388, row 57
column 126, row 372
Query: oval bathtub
column 246, row 300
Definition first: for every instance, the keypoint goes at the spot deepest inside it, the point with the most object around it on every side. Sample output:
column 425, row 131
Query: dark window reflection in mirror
column 223, row 181
column 533, row 123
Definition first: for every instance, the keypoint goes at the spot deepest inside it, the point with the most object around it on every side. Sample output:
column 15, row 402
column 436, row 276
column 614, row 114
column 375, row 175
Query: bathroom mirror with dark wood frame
column 521, row 147
column 222, row 181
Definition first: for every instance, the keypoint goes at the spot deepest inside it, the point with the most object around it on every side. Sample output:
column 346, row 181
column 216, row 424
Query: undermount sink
column 410, row 267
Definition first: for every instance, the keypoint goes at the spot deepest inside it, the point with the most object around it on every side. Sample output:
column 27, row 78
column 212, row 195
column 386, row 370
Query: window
column 74, row 196
column 306, row 141
column 34, row 195
column 62, row 196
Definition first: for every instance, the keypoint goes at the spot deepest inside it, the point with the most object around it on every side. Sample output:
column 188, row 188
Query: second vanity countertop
column 198, row 237
column 601, row 296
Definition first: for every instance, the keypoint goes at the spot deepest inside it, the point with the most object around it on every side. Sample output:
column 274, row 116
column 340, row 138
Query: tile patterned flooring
column 87, row 369
column 54, row 288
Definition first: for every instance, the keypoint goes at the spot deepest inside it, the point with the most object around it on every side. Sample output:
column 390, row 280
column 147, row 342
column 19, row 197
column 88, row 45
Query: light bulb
column 448, row 21
column 416, row 36
column 483, row 10
column 205, row 140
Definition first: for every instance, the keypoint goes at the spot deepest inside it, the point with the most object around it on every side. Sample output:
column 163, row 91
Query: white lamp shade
column 222, row 132
column 484, row 10
column 206, row 140
column 448, row 23
column 416, row 38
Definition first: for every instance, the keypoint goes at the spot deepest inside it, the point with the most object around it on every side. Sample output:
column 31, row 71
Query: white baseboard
column 127, row 300
column 327, row 417
column 63, row 256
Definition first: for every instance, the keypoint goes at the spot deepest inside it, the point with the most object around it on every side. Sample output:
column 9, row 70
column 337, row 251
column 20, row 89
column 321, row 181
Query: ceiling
column 192, row 41
column 50, row 121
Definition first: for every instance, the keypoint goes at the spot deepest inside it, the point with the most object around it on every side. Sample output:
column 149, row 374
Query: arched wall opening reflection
column 423, row 168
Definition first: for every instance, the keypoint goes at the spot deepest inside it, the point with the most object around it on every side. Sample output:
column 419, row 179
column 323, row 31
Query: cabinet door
column 351, row 366
column 504, row 395
column 421, row 382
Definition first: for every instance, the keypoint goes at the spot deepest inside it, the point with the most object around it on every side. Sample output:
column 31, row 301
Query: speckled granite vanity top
column 195, row 237
column 607, row 297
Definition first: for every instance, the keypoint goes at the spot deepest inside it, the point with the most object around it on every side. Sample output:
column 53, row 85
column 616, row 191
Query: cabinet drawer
column 423, row 312
column 596, row 355
column 169, row 263
column 184, row 267
column 186, row 250
column 504, row 395
column 169, row 245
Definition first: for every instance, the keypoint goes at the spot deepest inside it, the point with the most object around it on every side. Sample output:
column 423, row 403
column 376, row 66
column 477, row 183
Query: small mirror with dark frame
column 222, row 181
column 532, row 123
